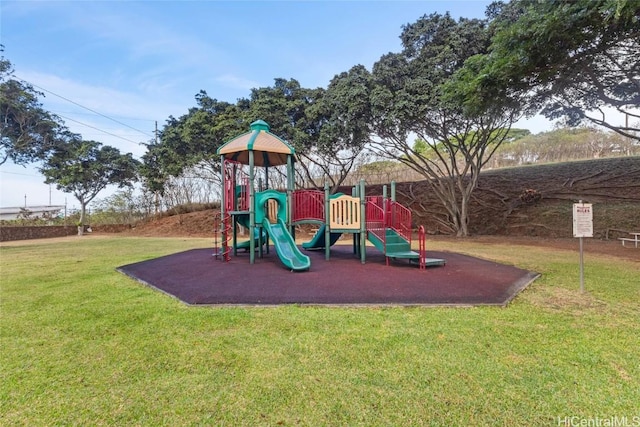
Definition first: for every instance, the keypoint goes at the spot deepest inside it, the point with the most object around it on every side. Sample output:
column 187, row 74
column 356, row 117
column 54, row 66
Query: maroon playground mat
column 197, row 277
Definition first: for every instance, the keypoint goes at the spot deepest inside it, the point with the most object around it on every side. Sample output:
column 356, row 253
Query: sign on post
column 582, row 227
column 582, row 220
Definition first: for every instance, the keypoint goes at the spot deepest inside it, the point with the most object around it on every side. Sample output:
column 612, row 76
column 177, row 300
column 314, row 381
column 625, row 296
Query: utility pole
column 157, row 199
column 626, row 120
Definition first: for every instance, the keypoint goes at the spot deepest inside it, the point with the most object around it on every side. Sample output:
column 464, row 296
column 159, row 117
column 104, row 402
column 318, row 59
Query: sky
column 113, row 69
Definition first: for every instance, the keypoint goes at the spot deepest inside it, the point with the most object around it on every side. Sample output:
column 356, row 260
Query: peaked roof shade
column 268, row 149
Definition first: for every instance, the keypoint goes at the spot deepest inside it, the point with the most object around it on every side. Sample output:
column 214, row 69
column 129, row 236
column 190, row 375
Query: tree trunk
column 83, row 208
column 463, row 230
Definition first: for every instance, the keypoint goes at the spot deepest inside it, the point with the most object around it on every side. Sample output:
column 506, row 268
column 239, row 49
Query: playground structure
column 269, row 214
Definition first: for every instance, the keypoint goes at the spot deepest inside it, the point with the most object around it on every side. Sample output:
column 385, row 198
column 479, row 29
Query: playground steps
column 430, row 262
column 396, row 245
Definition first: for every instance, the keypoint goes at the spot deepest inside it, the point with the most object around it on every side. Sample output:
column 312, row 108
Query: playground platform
column 196, row 277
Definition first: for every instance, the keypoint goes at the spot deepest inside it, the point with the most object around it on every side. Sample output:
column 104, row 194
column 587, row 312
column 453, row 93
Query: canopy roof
column 268, row 149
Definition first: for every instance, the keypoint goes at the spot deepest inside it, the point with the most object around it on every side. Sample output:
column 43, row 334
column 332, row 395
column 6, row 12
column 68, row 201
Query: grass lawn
column 82, row 344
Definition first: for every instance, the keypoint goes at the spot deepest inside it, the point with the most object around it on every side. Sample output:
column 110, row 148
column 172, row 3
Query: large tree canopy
column 282, row 105
column 408, row 98
column 84, row 168
column 190, row 141
column 339, row 127
column 572, row 60
column 287, row 107
column 28, row 131
column 456, row 86
column 328, row 128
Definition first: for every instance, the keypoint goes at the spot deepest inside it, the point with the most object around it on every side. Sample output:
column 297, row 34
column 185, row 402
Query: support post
column 289, row 210
column 363, row 223
column 234, row 182
column 252, row 211
column 392, row 208
column 327, row 230
column 581, row 267
column 356, row 236
column 385, row 209
column 234, row 207
column 223, row 229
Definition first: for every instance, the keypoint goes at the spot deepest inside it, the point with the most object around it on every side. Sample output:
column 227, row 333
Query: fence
column 405, row 174
column 47, row 231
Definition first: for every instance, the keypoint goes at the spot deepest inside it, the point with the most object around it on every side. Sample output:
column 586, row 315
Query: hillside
column 537, row 200
column 533, row 201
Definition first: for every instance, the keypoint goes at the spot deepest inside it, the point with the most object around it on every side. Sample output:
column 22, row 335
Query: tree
column 409, row 97
column 282, row 105
column 322, row 125
column 190, row 142
column 571, row 60
column 328, row 128
column 562, row 145
column 28, row 131
column 122, row 207
column 84, row 168
column 285, row 106
column 339, row 126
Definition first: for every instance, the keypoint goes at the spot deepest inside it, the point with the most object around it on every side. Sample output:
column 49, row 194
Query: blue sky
column 112, row 69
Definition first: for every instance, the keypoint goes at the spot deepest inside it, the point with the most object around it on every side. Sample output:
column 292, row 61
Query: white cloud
column 105, row 100
column 88, row 109
column 167, row 48
column 237, row 82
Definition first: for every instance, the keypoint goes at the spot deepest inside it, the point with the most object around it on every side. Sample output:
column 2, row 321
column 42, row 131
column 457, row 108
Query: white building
column 31, row 212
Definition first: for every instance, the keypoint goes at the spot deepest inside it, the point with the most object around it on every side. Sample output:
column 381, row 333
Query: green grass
column 82, row 344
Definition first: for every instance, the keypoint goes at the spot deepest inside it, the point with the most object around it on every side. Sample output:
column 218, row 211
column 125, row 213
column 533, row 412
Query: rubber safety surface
column 197, row 277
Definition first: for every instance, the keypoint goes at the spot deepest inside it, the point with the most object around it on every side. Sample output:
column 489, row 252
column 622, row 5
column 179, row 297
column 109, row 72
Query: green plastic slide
column 246, row 244
column 286, row 247
column 243, row 220
column 317, row 242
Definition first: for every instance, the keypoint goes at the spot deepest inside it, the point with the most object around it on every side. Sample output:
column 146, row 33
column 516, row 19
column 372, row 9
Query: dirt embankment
column 538, row 200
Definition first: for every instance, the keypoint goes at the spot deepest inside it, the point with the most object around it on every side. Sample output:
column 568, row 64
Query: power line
column 137, row 119
column 103, row 131
column 18, row 173
column 86, row 108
